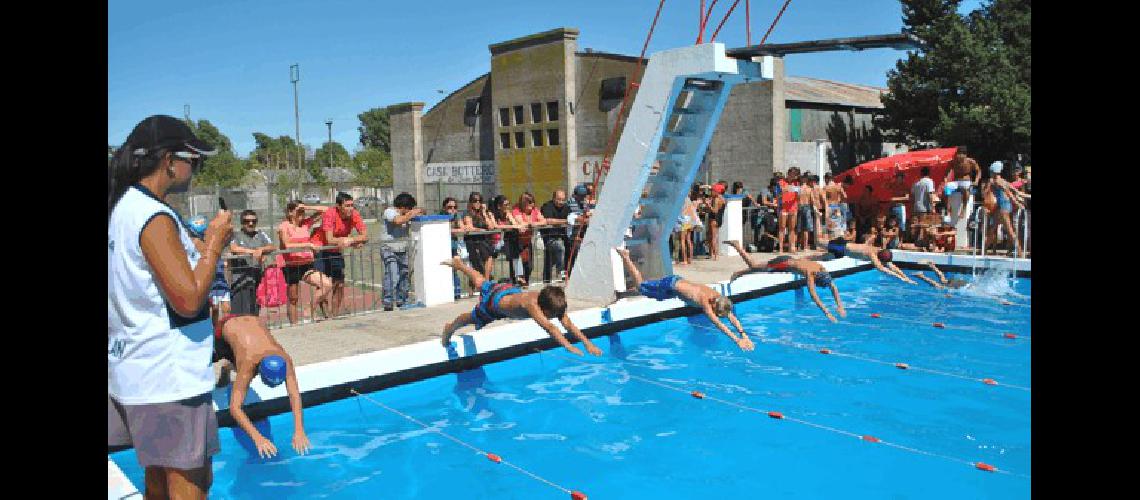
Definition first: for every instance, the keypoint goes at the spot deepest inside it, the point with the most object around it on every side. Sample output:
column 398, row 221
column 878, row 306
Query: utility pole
column 329, row 123
column 186, row 111
column 294, row 77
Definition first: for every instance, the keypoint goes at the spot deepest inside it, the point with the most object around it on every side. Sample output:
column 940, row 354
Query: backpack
column 271, row 292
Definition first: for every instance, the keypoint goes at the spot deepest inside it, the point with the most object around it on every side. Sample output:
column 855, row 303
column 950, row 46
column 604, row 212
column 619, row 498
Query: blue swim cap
column 273, row 370
column 197, row 225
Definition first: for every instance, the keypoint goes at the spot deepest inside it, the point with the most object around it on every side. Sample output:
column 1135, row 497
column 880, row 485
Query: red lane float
column 939, row 325
column 902, row 366
column 875, row 315
column 989, row 381
column 825, row 351
column 494, row 458
column 698, row 394
column 984, row 466
column 871, row 439
column 1010, row 336
column 776, row 415
column 577, row 495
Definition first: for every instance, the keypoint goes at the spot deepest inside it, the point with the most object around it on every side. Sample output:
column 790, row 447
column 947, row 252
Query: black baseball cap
column 162, row 131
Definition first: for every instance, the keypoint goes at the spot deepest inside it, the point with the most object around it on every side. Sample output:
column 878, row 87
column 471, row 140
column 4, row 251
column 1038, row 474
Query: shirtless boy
column 807, row 211
column 811, row 270
column 963, row 173
column 500, row 300
column 250, row 350
column 881, row 259
column 942, row 281
column 670, row 287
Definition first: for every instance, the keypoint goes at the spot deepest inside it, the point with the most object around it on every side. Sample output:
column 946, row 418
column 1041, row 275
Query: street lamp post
column 328, row 122
column 294, row 77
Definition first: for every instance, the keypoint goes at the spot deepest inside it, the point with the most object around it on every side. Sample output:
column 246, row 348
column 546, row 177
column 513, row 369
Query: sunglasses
column 451, row 207
column 249, row 221
column 194, row 159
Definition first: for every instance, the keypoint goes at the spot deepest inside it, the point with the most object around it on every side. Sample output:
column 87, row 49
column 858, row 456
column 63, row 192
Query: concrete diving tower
column 670, row 124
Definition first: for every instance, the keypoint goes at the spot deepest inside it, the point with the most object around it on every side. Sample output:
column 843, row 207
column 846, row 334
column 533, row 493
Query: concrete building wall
column 534, row 73
column 406, row 132
column 447, row 138
column 593, row 124
column 749, row 140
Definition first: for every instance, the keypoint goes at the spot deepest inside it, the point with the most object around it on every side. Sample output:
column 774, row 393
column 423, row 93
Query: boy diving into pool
column 942, row 281
column 712, row 303
column 500, row 300
column 249, row 348
column 813, row 271
column 881, row 259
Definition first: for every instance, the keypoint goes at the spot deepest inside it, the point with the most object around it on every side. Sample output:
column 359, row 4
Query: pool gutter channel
column 594, row 322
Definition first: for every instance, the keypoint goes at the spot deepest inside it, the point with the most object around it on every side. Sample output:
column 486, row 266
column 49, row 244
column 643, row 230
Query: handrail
column 1023, row 227
column 979, row 238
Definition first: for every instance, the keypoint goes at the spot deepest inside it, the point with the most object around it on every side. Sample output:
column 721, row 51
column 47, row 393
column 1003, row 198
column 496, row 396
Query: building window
column 536, row 112
column 552, row 111
column 505, row 117
column 611, row 93
column 519, row 115
column 505, row 140
column 471, row 109
column 520, row 138
column 536, row 138
column 552, row 137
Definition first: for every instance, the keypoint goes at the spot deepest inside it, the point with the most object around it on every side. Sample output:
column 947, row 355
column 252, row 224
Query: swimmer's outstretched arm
column 265, row 447
column 933, row 283
column 743, row 342
column 815, row 298
column 941, row 277
column 300, row 439
column 838, row 301
column 898, row 272
column 573, row 329
column 537, row 315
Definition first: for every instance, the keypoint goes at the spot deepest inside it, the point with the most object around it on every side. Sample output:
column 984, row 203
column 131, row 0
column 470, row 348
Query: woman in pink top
column 527, row 214
column 293, row 233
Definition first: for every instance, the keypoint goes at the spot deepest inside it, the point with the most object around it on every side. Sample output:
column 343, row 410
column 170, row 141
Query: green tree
column 970, row 83
column 275, row 153
column 374, row 129
column 373, row 168
column 332, row 154
column 223, row 169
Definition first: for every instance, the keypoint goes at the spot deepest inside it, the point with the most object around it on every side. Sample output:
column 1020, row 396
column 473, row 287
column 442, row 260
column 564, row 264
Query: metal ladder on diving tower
column 670, row 124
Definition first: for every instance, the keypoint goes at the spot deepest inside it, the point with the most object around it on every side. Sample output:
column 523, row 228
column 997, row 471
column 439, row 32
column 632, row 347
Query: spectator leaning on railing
column 159, row 341
column 479, row 245
column 528, row 214
column 394, row 249
column 294, row 234
column 555, row 212
column 249, row 248
column 337, row 224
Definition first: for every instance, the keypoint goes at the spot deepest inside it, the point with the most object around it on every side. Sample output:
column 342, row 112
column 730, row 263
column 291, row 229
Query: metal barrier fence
column 314, row 295
column 508, row 259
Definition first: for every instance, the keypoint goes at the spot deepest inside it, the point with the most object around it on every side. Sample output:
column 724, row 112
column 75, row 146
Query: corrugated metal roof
column 799, row 88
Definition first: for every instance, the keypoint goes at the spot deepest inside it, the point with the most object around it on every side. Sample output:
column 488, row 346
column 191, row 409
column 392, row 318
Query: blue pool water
column 593, row 428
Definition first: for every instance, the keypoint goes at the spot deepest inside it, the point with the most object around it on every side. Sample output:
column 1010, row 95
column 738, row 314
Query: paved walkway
column 341, row 337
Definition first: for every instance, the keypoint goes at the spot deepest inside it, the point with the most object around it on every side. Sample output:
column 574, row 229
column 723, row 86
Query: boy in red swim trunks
column 813, row 271
column 500, row 300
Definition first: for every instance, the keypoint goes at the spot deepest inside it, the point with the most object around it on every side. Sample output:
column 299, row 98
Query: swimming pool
column 599, row 426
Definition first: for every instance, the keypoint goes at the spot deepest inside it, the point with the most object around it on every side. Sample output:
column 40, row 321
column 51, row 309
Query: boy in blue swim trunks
column 880, row 258
column 813, row 271
column 712, row 303
column 500, row 300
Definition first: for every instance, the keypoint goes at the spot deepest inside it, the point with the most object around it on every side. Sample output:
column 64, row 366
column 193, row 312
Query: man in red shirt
column 336, row 227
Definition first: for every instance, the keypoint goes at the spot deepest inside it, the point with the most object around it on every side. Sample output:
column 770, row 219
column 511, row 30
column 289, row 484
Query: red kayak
column 878, row 173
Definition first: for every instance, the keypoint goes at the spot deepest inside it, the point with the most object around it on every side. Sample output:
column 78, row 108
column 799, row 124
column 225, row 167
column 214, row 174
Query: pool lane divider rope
column 775, row 415
column 941, row 325
column 899, row 365
column 575, row 495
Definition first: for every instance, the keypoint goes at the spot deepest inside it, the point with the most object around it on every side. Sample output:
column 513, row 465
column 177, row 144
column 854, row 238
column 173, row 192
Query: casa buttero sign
column 460, row 172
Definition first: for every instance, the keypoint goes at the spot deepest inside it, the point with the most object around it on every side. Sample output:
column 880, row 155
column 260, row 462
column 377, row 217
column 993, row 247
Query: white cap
column 995, row 167
column 946, row 219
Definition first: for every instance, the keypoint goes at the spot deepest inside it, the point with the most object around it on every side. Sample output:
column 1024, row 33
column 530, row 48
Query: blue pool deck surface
column 619, row 434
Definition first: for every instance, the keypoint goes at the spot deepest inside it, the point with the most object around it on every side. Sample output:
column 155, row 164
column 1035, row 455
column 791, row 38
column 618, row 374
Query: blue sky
column 229, row 60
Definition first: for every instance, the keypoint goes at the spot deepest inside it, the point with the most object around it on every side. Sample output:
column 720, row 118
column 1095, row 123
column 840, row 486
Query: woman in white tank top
column 160, row 339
